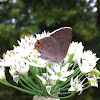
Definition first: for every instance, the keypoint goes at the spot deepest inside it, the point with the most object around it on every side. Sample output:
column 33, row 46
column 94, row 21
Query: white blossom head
column 88, row 61
column 76, row 85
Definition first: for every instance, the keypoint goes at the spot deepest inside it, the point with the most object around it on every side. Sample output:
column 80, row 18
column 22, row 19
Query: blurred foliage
column 25, row 17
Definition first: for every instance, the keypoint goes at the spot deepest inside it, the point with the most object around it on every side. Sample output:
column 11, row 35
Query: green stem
column 25, row 81
column 34, row 75
column 81, row 75
column 18, row 88
column 87, row 83
column 61, row 86
column 53, row 87
column 62, row 90
column 74, row 66
column 24, row 86
column 73, row 75
column 87, row 87
column 40, row 71
column 38, row 80
column 32, row 83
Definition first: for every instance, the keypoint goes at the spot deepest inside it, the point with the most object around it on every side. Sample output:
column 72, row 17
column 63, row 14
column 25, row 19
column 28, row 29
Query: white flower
column 45, row 78
column 16, row 78
column 76, row 85
column 48, row 88
column 94, row 73
column 43, row 35
column 88, row 61
column 42, row 79
column 20, row 68
column 2, row 73
column 24, row 50
column 27, row 41
column 75, row 49
column 21, row 57
column 93, row 76
column 93, row 81
column 8, row 59
column 35, row 60
column 59, row 72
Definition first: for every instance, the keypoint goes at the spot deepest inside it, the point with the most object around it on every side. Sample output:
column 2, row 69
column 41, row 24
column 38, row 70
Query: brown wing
column 50, row 49
column 63, row 37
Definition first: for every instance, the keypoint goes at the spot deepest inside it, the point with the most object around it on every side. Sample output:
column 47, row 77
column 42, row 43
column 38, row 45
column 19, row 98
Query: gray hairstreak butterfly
column 54, row 48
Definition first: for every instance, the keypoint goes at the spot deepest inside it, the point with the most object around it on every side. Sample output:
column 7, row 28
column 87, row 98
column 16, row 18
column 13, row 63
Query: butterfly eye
column 39, row 43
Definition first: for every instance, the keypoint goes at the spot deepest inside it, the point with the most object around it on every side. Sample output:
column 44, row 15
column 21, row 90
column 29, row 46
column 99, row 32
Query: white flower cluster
column 55, row 72
column 24, row 55
column 76, row 85
column 21, row 57
column 86, row 60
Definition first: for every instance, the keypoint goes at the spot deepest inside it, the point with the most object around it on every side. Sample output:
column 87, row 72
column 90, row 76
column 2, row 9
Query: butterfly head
column 38, row 44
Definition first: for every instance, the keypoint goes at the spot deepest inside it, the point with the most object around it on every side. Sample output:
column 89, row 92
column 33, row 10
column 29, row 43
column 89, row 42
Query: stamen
column 37, row 56
column 9, row 54
column 13, row 52
column 3, row 55
column 29, row 44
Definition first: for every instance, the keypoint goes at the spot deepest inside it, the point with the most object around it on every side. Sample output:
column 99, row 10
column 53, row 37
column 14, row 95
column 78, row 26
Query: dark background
column 26, row 17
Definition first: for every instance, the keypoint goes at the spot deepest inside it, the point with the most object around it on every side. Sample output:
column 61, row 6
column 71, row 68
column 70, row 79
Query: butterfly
column 54, row 48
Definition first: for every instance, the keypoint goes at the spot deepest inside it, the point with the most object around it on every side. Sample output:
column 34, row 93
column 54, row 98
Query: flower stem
column 63, row 83
column 32, row 83
column 62, row 86
column 36, row 90
column 87, row 87
column 43, row 89
column 18, row 88
column 24, row 86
